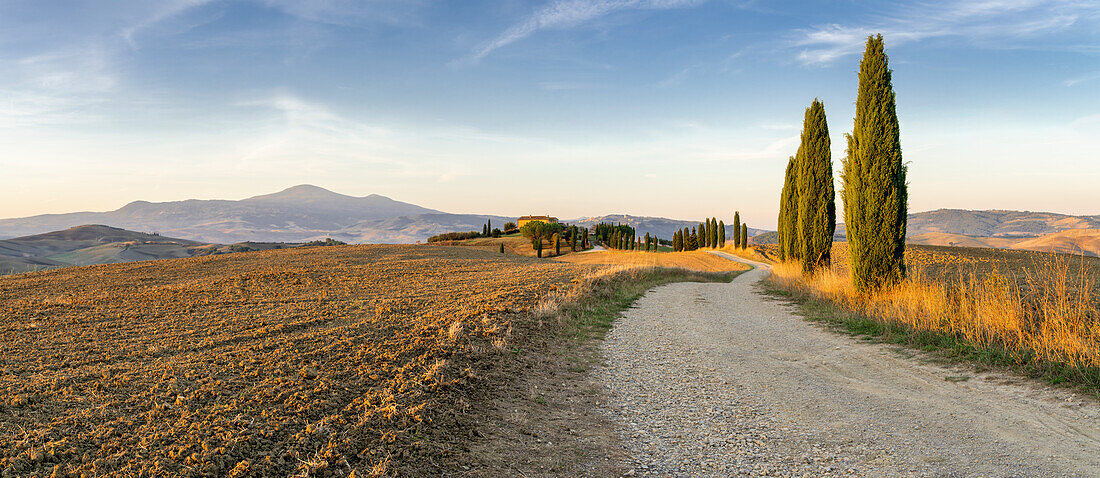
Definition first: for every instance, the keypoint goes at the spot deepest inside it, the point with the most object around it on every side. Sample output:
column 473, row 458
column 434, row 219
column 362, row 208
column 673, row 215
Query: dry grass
column 700, row 260
column 306, row 362
column 1044, row 315
column 513, row 244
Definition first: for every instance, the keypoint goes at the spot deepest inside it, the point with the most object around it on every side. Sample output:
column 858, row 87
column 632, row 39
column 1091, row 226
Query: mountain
column 300, row 213
column 663, row 227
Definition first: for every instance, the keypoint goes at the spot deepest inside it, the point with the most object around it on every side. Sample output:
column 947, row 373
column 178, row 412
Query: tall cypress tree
column 876, row 197
column 816, row 199
column 736, row 229
column 557, row 244
column 744, row 236
column 721, row 234
column 789, row 249
column 713, row 232
column 694, row 241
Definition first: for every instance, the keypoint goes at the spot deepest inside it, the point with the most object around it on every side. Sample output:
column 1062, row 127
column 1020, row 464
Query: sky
column 674, row 108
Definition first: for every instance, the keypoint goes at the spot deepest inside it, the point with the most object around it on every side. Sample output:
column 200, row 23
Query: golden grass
column 700, row 261
column 1051, row 319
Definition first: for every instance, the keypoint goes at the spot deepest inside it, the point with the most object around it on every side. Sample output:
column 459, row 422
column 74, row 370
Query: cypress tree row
column 788, row 215
column 736, row 229
column 744, row 236
column 876, row 198
column 721, row 234
column 816, row 199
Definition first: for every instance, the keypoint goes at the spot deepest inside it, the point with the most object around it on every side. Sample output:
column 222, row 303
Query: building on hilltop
column 526, row 219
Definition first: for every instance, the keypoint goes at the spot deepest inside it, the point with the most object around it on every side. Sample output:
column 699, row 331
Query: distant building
column 526, row 219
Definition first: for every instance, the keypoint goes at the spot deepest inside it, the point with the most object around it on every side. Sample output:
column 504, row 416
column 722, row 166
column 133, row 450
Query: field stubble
column 315, row 362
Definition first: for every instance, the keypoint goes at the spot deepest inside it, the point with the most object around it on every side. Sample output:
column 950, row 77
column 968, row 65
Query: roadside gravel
column 719, row 380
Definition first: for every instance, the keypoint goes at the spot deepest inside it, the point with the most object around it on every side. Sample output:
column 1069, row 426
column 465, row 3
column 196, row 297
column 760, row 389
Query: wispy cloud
column 167, row 10
column 1082, row 79
column 979, row 22
column 564, row 14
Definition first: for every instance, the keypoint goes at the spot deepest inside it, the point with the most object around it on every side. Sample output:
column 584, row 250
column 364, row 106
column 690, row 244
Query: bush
column 327, row 242
column 454, row 236
column 496, row 233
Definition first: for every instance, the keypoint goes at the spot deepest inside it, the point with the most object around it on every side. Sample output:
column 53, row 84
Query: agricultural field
column 695, row 260
column 306, row 362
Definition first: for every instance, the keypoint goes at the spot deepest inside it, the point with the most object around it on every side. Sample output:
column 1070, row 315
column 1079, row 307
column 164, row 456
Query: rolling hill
column 1073, row 241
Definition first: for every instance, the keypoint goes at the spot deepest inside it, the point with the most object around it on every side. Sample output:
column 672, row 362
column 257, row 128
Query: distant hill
column 298, row 214
column 1072, row 241
column 99, row 244
column 663, row 227
column 996, row 223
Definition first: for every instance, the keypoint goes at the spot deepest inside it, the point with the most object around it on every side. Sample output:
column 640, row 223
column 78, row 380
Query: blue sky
column 675, row 108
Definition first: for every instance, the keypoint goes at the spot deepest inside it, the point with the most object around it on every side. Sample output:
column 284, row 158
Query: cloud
column 168, row 9
column 1082, row 79
column 564, row 14
column 991, row 22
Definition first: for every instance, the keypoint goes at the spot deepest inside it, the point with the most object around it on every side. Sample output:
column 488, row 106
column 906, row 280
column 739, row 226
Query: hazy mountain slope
column 296, row 214
column 663, row 227
column 419, row 227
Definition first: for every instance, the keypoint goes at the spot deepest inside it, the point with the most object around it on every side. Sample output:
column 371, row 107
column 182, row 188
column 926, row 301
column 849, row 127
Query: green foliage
column 496, row 233
column 876, row 198
column 816, row 200
column 744, row 236
column 693, row 240
column 557, row 244
column 737, row 229
column 537, row 231
column 573, row 238
column 789, row 248
column 721, row 234
column 509, row 226
column 502, row 248
column 454, row 236
column 713, row 239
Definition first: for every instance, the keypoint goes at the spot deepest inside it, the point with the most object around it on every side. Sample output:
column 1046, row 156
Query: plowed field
column 315, row 361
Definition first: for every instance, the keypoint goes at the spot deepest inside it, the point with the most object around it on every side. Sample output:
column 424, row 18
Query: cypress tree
column 789, row 249
column 721, row 234
column 557, row 244
column 816, row 200
column 744, row 236
column 647, row 242
column 573, row 239
column 538, row 248
column 736, row 229
column 714, row 232
column 502, row 248
column 488, row 226
column 694, row 241
column 876, row 198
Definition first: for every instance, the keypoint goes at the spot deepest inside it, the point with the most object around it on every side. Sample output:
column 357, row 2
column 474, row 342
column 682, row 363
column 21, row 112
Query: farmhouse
column 526, row 219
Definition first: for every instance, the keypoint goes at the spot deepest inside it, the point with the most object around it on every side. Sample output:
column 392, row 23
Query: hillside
column 996, row 223
column 1073, row 241
column 99, row 244
column 301, row 213
column 663, row 227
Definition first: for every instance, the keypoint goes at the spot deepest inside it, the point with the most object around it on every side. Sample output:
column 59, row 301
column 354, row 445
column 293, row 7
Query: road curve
column 720, row 380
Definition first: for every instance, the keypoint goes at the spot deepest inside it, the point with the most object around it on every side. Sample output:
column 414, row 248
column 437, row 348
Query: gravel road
column 720, row 380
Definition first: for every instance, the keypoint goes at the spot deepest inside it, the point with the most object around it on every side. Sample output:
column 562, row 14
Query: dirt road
column 720, row 380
